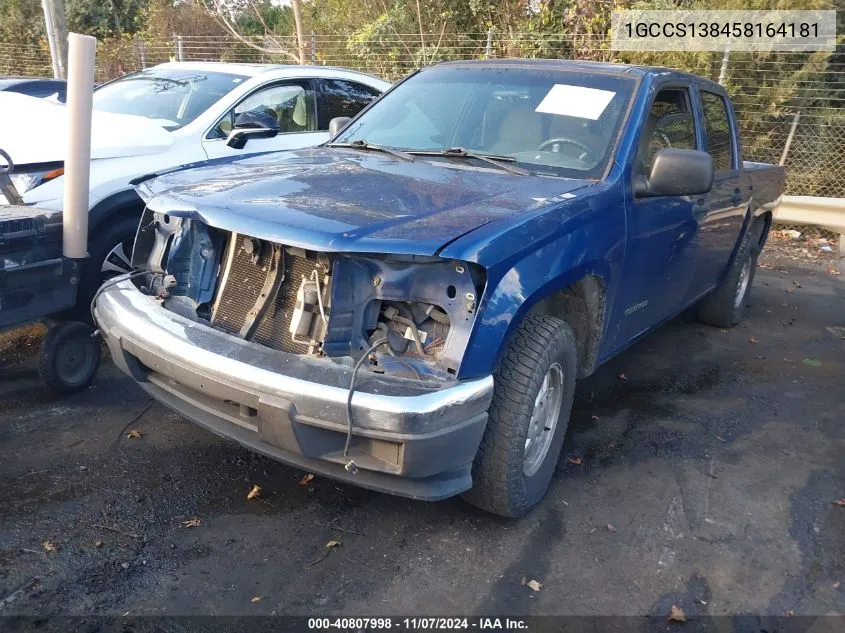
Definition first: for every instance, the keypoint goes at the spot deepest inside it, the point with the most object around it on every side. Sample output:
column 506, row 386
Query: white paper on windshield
column 576, row 101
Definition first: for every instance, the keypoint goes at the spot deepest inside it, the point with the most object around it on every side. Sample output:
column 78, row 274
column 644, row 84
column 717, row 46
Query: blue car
column 36, row 87
column 408, row 306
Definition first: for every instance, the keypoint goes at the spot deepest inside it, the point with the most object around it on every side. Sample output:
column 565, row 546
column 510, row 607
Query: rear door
column 292, row 102
column 721, row 221
column 342, row 97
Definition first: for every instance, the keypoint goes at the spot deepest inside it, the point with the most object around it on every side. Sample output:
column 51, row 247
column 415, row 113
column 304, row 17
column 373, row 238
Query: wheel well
column 766, row 223
column 582, row 306
column 123, row 204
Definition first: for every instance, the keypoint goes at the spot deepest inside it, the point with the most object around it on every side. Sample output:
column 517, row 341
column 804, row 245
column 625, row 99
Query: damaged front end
column 326, row 305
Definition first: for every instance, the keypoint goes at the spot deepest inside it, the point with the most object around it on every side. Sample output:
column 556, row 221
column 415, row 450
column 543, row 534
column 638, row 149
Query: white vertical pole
column 80, row 87
column 723, row 72
column 51, row 38
column 488, row 49
column 789, row 138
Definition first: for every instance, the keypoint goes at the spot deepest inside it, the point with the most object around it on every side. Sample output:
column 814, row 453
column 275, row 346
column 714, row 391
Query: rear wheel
column 532, row 399
column 725, row 306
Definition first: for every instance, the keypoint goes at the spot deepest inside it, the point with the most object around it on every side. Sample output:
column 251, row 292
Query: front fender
column 587, row 238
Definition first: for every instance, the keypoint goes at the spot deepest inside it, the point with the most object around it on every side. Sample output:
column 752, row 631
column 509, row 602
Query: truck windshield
column 169, row 96
column 557, row 123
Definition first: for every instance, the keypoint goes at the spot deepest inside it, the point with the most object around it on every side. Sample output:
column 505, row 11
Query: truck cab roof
column 570, row 65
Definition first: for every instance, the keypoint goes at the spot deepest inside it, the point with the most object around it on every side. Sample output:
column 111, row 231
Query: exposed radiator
column 238, row 289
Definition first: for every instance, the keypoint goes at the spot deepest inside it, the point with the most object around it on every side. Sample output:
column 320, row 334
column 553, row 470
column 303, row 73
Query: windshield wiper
column 460, row 152
column 375, row 148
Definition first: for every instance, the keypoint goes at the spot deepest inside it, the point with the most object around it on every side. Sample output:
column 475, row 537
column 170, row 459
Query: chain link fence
column 789, row 105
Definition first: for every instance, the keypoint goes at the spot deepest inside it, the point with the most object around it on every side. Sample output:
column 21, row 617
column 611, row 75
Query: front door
column 291, row 103
column 662, row 251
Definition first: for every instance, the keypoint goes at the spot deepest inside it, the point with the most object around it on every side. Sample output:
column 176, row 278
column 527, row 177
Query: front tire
column 725, row 306
column 528, row 417
column 110, row 254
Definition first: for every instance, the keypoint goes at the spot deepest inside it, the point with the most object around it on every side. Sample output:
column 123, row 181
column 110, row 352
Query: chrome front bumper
column 410, row 437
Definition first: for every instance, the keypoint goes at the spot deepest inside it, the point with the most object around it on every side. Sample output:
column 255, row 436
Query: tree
column 231, row 15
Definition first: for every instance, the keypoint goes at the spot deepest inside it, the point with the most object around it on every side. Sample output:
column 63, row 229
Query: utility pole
column 300, row 38
column 54, row 21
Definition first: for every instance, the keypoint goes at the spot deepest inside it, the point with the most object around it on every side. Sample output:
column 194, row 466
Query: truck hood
column 45, row 139
column 336, row 199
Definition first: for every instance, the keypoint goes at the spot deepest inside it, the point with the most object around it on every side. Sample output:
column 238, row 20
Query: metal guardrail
column 827, row 213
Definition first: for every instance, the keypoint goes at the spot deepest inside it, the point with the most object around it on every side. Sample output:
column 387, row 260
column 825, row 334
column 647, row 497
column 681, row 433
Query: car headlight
column 29, row 181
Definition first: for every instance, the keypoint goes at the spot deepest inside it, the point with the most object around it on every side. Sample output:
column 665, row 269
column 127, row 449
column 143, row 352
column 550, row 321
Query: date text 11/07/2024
column 417, row 624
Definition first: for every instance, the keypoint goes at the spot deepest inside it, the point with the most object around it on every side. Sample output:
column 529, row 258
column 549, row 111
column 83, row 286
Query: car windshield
column 169, row 96
column 556, row 123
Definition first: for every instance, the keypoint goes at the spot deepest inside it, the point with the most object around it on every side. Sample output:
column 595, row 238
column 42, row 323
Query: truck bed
column 767, row 182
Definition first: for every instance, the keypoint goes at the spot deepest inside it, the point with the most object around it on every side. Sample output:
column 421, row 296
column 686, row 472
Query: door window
column 346, row 98
column 718, row 129
column 291, row 104
column 669, row 124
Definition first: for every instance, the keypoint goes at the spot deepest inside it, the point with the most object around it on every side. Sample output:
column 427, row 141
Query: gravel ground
column 701, row 470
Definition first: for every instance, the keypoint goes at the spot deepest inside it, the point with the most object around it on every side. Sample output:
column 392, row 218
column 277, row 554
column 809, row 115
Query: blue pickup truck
column 408, row 306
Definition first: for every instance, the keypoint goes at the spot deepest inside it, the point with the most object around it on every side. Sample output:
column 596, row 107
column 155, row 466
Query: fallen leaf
column 836, row 585
column 789, row 613
column 611, row 528
column 577, row 461
column 753, row 340
column 134, row 434
column 594, row 529
column 534, row 585
column 50, row 546
column 332, row 544
column 812, row 362
column 306, row 480
column 595, row 418
column 840, row 502
column 191, row 523
column 98, row 543
column 677, row 614
column 256, row 491
column 622, row 377
column 834, row 272
column 256, row 599
column 700, row 601
column 722, row 329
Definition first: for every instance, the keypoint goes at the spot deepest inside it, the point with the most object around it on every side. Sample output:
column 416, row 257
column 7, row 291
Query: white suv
column 202, row 106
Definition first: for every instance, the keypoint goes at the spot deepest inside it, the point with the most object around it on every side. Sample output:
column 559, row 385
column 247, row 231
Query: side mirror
column 238, row 137
column 337, row 124
column 677, row 172
column 252, row 125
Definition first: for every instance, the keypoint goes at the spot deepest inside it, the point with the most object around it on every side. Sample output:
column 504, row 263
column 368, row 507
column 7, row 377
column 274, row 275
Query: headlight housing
column 29, row 181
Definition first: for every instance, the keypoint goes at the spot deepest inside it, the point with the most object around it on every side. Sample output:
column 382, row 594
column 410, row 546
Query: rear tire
column 70, row 357
column 528, row 417
column 725, row 306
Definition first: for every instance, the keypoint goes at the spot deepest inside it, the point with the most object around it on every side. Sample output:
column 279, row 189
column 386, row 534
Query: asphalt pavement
column 701, row 469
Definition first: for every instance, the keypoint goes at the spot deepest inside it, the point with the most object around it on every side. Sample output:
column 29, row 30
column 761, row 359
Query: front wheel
column 110, row 252
column 528, row 417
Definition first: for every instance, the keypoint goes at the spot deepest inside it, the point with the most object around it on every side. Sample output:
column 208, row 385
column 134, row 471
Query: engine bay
column 411, row 315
